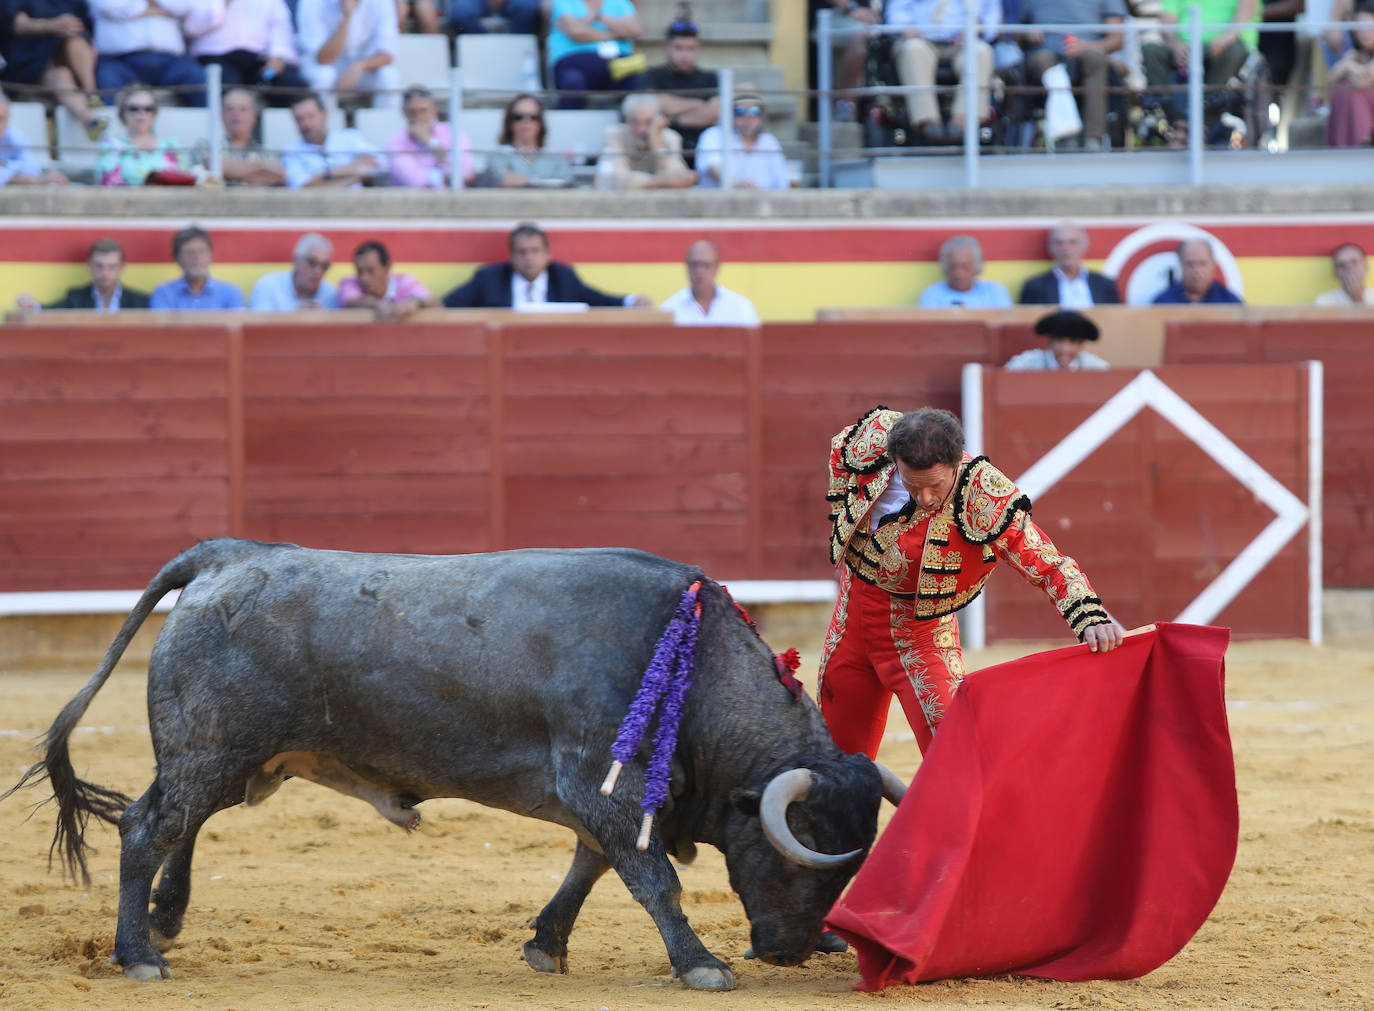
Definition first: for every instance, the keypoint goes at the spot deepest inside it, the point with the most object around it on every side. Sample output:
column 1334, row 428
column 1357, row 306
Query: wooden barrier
column 119, row 446
column 1344, row 343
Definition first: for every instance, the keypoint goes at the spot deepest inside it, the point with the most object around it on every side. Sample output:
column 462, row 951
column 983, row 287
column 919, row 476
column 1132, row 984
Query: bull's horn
column 893, row 787
column 782, row 790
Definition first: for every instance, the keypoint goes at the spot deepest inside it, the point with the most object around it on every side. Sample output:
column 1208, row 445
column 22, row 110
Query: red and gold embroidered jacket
column 941, row 560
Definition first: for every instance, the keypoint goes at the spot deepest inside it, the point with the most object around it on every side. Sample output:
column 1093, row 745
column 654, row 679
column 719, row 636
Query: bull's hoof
column 709, row 977
column 831, row 943
column 541, row 961
column 143, row 971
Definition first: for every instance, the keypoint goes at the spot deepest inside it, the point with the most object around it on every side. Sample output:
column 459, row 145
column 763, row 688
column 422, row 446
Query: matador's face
column 930, row 488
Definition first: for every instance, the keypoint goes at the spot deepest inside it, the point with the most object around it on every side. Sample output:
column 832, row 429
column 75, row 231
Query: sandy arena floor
column 313, row 901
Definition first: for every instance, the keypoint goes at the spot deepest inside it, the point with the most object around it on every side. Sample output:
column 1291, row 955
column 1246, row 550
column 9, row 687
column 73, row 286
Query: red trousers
column 876, row 648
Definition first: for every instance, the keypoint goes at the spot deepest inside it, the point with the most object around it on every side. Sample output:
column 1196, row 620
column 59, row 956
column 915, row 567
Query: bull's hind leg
column 172, row 894
column 162, row 824
column 548, row 950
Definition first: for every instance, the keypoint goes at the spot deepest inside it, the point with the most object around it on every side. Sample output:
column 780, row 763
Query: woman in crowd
column 127, row 158
column 522, row 159
column 418, row 153
column 1351, row 122
column 591, row 48
column 48, row 43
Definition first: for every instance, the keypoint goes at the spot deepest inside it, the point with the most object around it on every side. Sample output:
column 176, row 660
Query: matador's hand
column 1102, row 638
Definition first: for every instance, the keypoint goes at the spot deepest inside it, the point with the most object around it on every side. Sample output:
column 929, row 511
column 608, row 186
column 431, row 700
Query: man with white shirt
column 143, row 42
column 325, row 157
column 254, row 43
column 1352, row 268
column 351, row 44
column 703, row 302
column 933, row 33
column 530, row 278
column 301, row 287
column 1069, row 284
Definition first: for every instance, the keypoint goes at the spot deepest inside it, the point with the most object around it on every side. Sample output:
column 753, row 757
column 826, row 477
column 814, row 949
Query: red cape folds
column 1075, row 818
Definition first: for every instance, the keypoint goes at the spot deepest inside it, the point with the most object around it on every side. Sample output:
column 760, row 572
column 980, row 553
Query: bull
column 500, row 678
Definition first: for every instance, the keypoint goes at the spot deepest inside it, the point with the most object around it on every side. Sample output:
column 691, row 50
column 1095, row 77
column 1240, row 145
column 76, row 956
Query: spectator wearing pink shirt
column 418, row 153
column 393, row 296
column 254, row 43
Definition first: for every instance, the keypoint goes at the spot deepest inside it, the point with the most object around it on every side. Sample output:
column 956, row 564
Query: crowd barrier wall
column 119, row 446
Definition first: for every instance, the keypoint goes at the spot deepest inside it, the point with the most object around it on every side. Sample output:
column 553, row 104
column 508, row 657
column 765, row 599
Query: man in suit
column 105, row 292
column 1069, row 285
column 528, row 278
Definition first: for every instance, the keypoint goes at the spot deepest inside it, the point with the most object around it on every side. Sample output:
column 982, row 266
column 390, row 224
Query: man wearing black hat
column 1068, row 331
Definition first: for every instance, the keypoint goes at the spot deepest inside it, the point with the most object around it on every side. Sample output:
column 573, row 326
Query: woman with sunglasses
column 756, row 158
column 127, row 158
column 522, row 160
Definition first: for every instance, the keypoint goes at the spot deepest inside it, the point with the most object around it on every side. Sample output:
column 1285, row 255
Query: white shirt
column 943, row 12
column 259, row 26
column 372, row 29
column 276, row 292
column 524, row 292
column 120, row 27
column 890, row 501
column 764, row 166
column 728, row 308
column 303, row 161
column 1043, row 358
column 1074, row 294
column 1339, row 297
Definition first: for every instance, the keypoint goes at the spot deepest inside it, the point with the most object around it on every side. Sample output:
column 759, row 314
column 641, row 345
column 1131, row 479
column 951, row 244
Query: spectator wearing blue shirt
column 195, row 289
column 1198, row 282
column 18, row 163
column 590, row 47
column 301, row 287
column 325, row 157
column 961, row 261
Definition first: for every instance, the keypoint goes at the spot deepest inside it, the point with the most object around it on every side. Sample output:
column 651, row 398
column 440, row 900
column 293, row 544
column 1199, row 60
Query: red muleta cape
column 1075, row 818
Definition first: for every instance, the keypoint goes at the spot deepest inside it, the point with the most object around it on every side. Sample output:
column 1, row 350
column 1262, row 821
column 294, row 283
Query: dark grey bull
column 500, row 678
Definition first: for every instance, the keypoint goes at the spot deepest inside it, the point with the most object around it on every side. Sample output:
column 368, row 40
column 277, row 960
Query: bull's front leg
column 650, row 877
column 547, row 951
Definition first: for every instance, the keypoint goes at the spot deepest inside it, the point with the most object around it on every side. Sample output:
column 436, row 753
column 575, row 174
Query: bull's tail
column 77, row 799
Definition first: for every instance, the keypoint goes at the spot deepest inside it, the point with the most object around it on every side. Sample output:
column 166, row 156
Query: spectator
column 325, row 157
column 919, row 52
column 245, row 159
column 529, row 278
column 756, row 159
column 18, row 164
column 105, row 293
column 143, row 42
column 255, row 43
column 851, row 21
column 301, row 287
column 1224, row 49
column 591, row 48
column 130, row 156
column 1198, row 283
column 1279, row 49
column 704, row 302
column 465, row 16
column 376, row 287
column 195, row 288
column 48, row 43
column 1351, row 119
column 1069, row 284
column 644, row 152
column 961, row 261
column 418, row 153
column 1083, row 53
column 1352, row 270
column 350, row 44
column 521, row 159
column 422, row 12
column 1067, row 331
column 686, row 93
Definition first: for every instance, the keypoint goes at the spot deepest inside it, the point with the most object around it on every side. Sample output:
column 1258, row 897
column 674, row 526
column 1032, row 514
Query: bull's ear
column 746, row 801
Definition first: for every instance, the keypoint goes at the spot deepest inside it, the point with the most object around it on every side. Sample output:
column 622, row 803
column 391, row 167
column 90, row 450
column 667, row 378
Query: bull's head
column 807, row 832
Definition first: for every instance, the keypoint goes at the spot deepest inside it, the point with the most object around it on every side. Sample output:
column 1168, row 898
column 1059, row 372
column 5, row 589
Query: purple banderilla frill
column 666, row 680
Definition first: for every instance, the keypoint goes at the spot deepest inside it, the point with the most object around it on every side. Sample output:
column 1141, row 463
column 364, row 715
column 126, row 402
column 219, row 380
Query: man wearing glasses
column 756, row 158
column 686, row 93
column 301, row 287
